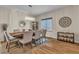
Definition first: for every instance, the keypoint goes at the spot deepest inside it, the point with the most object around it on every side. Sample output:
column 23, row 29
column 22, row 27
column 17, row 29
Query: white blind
column 47, row 24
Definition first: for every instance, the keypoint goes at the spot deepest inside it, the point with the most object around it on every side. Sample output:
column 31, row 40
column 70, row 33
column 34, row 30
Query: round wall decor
column 65, row 22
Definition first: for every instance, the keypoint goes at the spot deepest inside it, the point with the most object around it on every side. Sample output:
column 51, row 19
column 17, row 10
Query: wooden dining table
column 19, row 34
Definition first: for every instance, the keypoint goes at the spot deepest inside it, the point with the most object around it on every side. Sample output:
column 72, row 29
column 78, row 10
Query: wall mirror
column 22, row 23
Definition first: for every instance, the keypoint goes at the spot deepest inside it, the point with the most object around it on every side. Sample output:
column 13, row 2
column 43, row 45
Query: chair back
column 6, row 36
column 44, row 32
column 27, row 37
column 37, row 34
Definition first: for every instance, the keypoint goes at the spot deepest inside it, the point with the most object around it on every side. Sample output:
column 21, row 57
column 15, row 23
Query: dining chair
column 36, row 37
column 9, row 40
column 27, row 38
column 43, row 35
column 44, row 32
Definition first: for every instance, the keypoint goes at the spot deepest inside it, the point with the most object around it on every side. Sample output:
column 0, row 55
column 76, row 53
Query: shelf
column 65, row 36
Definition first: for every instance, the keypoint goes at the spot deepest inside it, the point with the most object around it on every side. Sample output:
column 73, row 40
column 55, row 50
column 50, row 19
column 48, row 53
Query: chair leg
column 42, row 40
column 39, row 41
column 23, row 48
column 31, row 44
column 8, row 46
column 36, row 43
column 19, row 44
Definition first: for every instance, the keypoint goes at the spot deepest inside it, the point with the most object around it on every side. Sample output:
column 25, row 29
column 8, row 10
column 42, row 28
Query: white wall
column 4, row 18
column 70, row 11
column 15, row 17
column 12, row 18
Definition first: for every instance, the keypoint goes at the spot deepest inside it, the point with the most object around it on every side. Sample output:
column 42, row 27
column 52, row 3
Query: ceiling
column 36, row 9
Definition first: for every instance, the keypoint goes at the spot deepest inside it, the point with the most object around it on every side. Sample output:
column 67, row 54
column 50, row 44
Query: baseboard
column 76, row 43
column 51, row 38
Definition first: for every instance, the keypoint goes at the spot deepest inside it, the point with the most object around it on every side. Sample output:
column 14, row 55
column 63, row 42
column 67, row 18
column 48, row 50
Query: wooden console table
column 65, row 36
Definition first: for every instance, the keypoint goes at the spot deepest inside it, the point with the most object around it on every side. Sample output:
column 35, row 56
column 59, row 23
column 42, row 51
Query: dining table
column 19, row 34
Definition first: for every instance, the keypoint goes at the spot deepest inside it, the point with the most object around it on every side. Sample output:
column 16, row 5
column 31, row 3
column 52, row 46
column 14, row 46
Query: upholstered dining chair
column 36, row 37
column 27, row 38
column 43, row 35
column 9, row 39
column 44, row 32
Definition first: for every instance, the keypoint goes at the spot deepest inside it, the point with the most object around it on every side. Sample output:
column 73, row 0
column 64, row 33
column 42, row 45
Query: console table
column 65, row 36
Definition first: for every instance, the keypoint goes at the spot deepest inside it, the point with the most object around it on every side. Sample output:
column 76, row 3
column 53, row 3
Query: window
column 47, row 24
